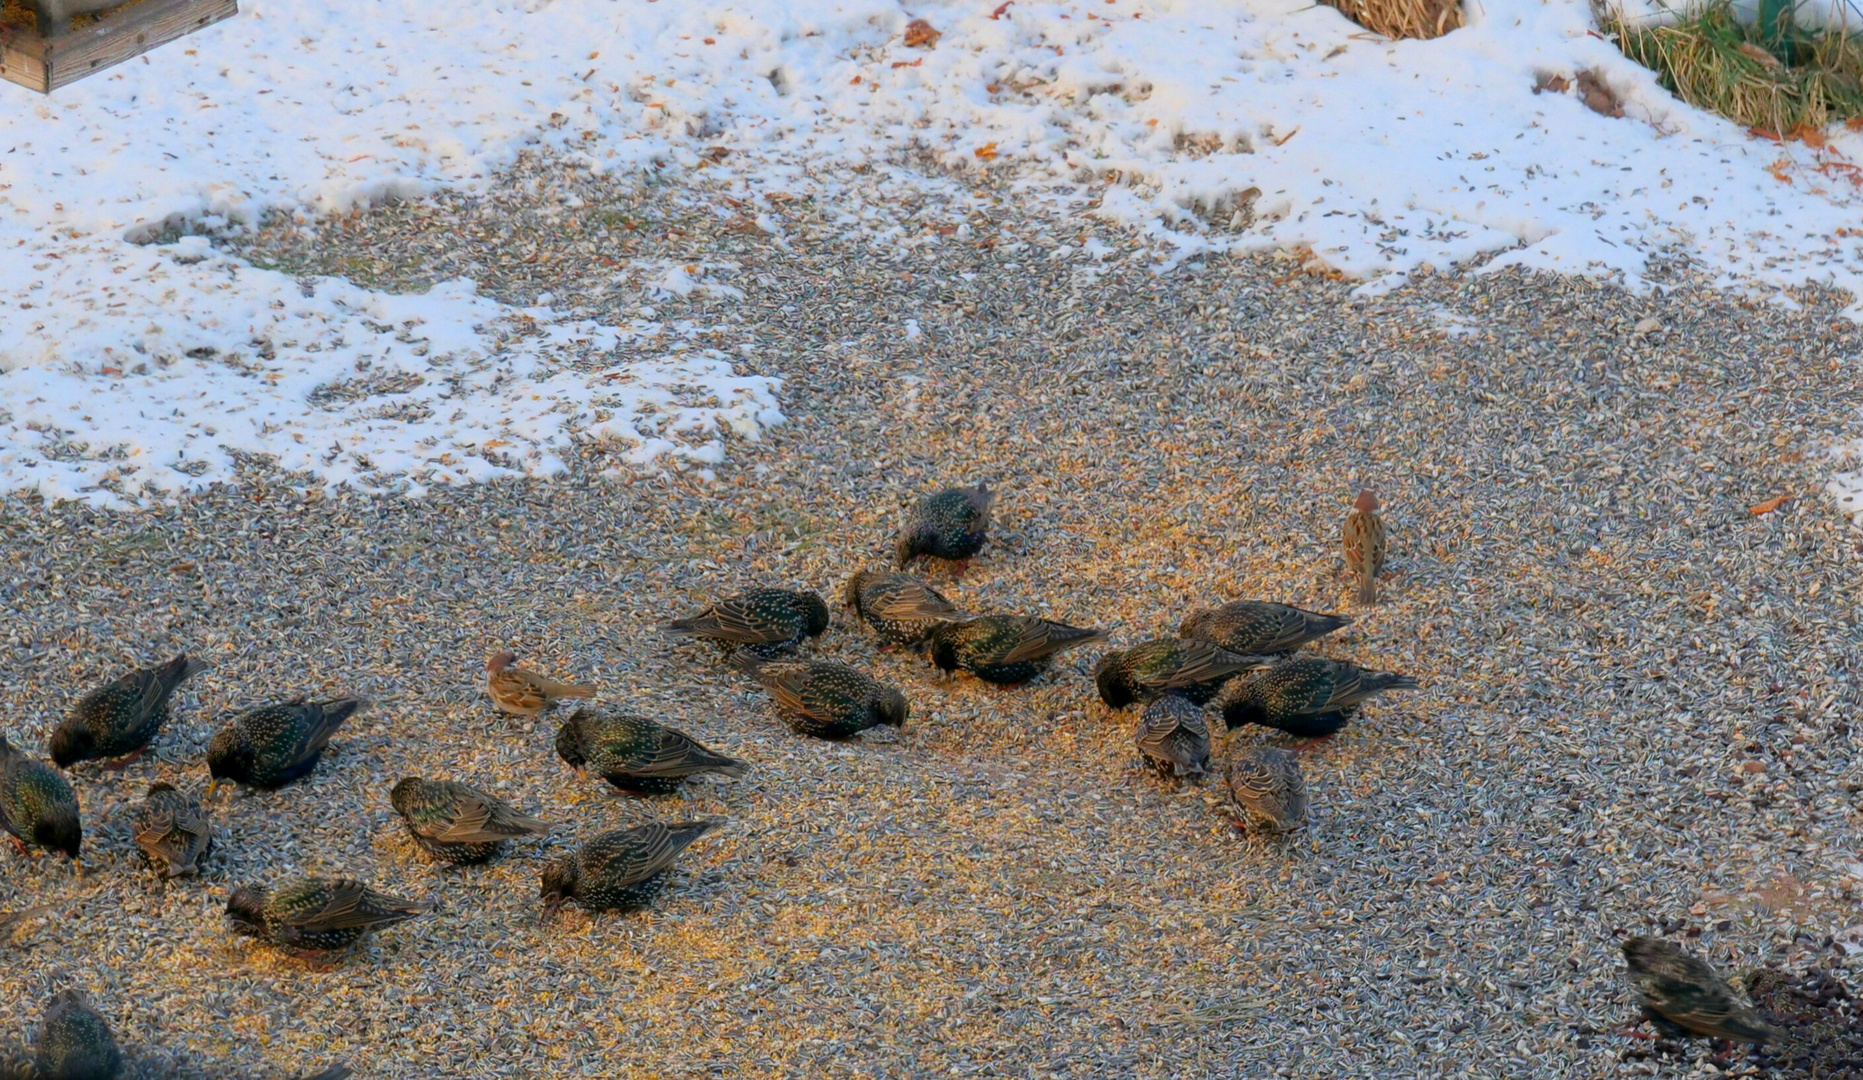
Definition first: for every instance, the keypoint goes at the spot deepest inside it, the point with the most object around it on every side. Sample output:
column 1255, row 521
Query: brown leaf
column 1768, row 506
column 1552, row 84
column 987, row 151
column 921, row 35
column 1757, row 55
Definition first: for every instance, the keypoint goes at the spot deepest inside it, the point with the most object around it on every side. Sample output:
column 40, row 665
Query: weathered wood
column 45, row 64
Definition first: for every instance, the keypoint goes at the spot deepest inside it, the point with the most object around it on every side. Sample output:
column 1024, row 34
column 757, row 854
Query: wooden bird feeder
column 91, row 45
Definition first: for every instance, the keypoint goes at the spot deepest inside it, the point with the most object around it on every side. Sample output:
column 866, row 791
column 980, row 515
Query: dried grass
column 1403, row 18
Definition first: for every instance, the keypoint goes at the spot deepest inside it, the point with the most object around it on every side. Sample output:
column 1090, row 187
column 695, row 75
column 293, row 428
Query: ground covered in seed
column 1638, row 711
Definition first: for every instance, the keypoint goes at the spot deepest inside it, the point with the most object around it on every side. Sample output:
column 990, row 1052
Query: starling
column 121, row 718
column 1682, row 995
column 766, row 622
column 826, row 699
column 952, row 524
column 173, row 831
column 317, row 917
column 75, row 1042
column 1173, row 737
column 37, row 805
column 901, row 609
column 622, row 870
column 1005, row 649
column 1306, row 695
column 1195, row 669
column 526, row 693
column 1365, row 539
column 1269, row 793
column 456, row 823
column 635, row 754
column 270, row 746
column 1257, row 626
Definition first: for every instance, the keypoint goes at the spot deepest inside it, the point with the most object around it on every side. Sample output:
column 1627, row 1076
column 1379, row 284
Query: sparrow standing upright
column 1365, row 545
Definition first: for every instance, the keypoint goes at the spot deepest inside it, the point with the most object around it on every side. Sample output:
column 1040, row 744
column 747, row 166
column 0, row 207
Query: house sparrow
column 1365, row 545
column 526, row 693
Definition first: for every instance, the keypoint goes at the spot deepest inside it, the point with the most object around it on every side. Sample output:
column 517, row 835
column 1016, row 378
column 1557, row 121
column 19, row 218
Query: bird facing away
column 1365, row 540
column 526, row 693
column 456, row 823
column 767, row 622
column 900, row 608
column 636, row 754
column 37, row 805
column 622, row 870
column 1258, row 626
column 953, row 524
column 826, row 699
column 120, row 718
column 1682, row 995
column 173, row 830
column 1195, row 669
column 317, row 917
column 272, row 745
column 1006, row 649
column 75, row 1042
column 1306, row 696
column 1267, row 789
column 1174, row 738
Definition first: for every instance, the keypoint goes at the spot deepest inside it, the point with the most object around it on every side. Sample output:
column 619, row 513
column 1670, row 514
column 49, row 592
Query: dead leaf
column 1758, row 55
column 1768, row 506
column 1552, row 83
column 1598, row 95
column 987, row 151
column 921, row 35
column 1000, row 9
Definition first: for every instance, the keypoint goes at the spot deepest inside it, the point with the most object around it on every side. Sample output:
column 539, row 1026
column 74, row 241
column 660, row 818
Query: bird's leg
column 21, row 845
column 958, row 568
column 124, row 763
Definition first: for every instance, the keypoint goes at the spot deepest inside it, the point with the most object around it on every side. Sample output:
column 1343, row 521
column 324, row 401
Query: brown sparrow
column 526, row 693
column 1365, row 545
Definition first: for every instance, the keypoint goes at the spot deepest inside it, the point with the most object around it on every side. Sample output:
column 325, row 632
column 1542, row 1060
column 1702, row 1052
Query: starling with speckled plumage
column 121, row 718
column 900, row 608
column 317, row 917
column 1267, row 790
column 270, row 746
column 1306, row 696
column 173, row 831
column 767, row 623
column 636, row 754
column 526, row 693
column 75, row 1042
column 953, row 524
column 37, row 805
column 826, row 699
column 621, row 870
column 1174, row 738
column 1682, row 995
column 456, row 823
column 1365, row 540
column 1005, row 649
column 1194, row 669
column 1259, row 626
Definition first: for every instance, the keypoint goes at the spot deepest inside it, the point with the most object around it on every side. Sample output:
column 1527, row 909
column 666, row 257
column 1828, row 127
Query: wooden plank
column 47, row 64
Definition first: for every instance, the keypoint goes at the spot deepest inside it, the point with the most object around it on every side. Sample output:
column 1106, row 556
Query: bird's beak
column 212, row 786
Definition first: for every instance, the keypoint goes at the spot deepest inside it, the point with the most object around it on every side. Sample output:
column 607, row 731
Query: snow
column 1209, row 125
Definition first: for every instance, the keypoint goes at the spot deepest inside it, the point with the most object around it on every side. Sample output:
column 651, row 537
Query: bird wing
column 476, row 819
column 321, row 719
column 1203, row 662
column 353, row 905
column 788, row 687
column 554, row 688
column 733, row 620
column 674, row 753
column 913, row 602
column 1041, row 638
column 510, row 687
column 1703, row 1006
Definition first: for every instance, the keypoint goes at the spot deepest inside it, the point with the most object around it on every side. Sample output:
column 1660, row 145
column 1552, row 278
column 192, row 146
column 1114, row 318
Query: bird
column 75, row 1042
column 1267, row 790
column 456, row 823
column 1365, row 544
column 953, row 524
column 1308, row 696
column 1259, row 626
column 1174, row 738
column 1682, row 995
column 1195, row 669
column 37, row 805
column 526, row 693
column 900, row 608
column 317, row 918
column 621, row 870
column 767, row 622
column 1006, row 649
column 826, row 699
column 173, row 830
column 121, row 718
column 636, row 754
column 272, row 745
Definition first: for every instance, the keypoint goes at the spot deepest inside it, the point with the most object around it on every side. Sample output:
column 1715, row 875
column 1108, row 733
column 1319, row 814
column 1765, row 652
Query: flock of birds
column 1243, row 657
